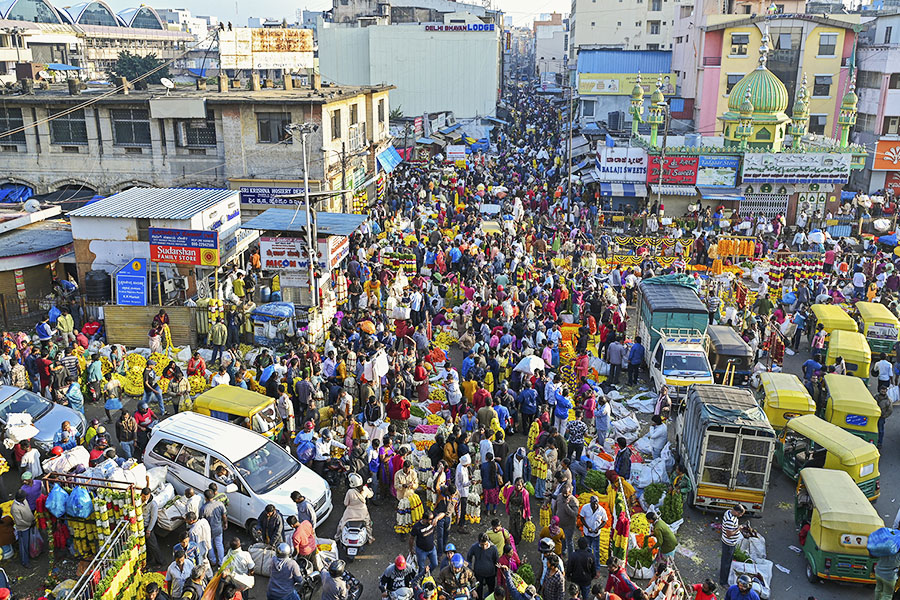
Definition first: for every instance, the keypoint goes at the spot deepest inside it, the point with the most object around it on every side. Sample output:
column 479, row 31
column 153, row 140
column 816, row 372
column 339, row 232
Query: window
column 887, row 35
column 69, row 129
column 33, row 11
column 865, row 122
column 197, row 133
column 817, row 124
column 783, row 41
column 131, row 127
column 653, row 46
column 618, row 23
column 679, row 39
column 656, row 5
column 822, row 86
column 637, row 24
column 336, row 125
column 195, row 460
column 354, row 114
column 593, row 23
column 891, row 126
column 654, row 27
column 11, row 118
column 868, row 79
column 894, row 81
column 587, row 109
column 733, row 78
column 381, row 111
column 827, row 44
column 272, row 127
column 739, row 43
column 96, row 14
column 167, row 449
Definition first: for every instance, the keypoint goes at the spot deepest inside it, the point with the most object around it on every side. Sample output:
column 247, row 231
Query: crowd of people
column 499, row 297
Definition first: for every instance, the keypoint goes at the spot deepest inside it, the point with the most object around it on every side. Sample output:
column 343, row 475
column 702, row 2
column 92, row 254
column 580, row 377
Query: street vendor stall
column 273, row 323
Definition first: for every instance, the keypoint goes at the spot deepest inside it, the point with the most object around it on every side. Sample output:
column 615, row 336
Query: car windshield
column 685, row 363
column 24, row 401
column 266, row 468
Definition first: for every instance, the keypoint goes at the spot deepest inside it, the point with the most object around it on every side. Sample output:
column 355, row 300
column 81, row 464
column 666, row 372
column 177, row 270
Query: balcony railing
column 712, row 61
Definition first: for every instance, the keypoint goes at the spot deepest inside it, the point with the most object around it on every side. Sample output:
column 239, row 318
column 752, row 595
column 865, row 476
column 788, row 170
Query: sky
column 523, row 12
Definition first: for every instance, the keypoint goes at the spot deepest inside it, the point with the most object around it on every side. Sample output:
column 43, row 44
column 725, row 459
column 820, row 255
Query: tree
column 131, row 66
column 396, row 113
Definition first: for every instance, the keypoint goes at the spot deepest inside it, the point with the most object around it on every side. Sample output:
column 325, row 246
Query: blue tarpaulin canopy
column 273, row 311
column 389, row 159
column 11, row 192
column 61, row 67
column 720, row 194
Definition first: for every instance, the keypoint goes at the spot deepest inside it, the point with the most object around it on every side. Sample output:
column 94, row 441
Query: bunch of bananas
column 198, row 384
column 444, row 339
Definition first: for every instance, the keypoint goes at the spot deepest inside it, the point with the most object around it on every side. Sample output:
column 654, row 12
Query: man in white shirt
column 31, row 460
column 220, row 378
column 859, row 285
column 194, row 500
column 200, row 534
column 178, row 572
column 240, row 563
column 885, row 371
column 594, row 518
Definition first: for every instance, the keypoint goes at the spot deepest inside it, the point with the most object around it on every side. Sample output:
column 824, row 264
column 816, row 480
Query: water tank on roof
column 97, row 285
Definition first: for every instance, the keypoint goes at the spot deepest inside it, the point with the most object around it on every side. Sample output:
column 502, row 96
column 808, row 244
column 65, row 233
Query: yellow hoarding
column 621, row 84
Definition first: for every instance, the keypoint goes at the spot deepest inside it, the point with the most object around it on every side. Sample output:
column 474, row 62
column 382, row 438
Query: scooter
column 353, row 536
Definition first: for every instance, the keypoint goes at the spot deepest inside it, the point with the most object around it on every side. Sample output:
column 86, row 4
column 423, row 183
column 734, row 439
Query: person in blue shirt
column 527, row 402
column 809, row 369
column 635, row 358
column 742, row 590
column 800, row 322
column 561, row 412
column 502, row 415
column 467, row 364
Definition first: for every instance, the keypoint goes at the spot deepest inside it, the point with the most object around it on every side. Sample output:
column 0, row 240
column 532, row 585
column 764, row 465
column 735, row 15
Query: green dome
column 850, row 98
column 637, row 92
column 657, row 96
column 767, row 93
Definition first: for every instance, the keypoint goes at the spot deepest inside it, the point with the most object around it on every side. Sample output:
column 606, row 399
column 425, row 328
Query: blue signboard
column 717, row 171
column 131, row 283
column 270, row 195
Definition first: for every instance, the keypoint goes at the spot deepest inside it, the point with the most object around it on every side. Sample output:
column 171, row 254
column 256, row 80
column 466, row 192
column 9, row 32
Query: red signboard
column 677, row 170
column 892, row 182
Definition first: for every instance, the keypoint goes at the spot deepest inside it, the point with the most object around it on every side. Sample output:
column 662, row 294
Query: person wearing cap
column 31, row 488
column 743, row 590
column 456, row 577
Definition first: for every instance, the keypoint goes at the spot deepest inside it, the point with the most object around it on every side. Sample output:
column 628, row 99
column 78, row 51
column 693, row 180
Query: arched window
column 145, row 18
column 33, row 11
column 96, row 13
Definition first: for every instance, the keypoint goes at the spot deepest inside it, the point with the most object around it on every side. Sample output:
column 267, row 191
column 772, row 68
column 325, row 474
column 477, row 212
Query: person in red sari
column 510, row 559
column 420, row 375
column 396, row 463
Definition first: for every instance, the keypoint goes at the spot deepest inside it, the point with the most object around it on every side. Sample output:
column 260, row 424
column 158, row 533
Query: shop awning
column 495, row 120
column 628, row 190
column 450, row 128
column 389, row 159
column 291, row 220
column 720, row 194
column 674, row 190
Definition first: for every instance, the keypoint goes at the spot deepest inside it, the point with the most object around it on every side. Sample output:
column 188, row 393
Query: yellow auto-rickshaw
column 850, row 406
column 784, row 397
column 240, row 407
column 808, row 441
column 880, row 326
column 855, row 351
column 832, row 318
column 835, row 521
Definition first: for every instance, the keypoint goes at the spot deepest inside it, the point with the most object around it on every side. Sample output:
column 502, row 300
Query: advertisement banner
column 621, row 84
column 622, row 164
column 184, row 246
column 285, row 253
column 332, row 250
column 718, row 171
column 788, row 167
column 131, row 283
column 892, row 182
column 677, row 170
column 270, row 195
column 887, row 156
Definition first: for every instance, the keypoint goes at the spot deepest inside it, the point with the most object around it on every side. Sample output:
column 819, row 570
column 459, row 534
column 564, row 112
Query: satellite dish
column 32, row 206
column 44, row 75
column 168, row 84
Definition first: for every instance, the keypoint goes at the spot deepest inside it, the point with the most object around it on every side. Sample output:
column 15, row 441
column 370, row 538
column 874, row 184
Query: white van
column 193, row 446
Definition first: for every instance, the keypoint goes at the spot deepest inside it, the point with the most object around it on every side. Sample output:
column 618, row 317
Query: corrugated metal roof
column 289, row 219
column 176, row 204
column 624, row 61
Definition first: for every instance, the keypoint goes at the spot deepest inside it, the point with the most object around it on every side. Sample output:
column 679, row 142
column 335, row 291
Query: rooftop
column 176, row 204
column 289, row 219
column 327, row 93
column 36, row 237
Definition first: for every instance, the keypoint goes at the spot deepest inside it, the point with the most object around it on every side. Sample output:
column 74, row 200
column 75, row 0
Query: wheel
column 811, row 573
column 250, row 525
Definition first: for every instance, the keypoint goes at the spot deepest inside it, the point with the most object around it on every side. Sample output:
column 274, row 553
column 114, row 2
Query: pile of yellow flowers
column 164, row 385
column 132, row 381
column 198, row 384
column 639, row 524
column 544, row 519
column 161, row 361
column 324, row 547
column 437, row 394
column 135, row 360
column 106, row 365
column 444, row 339
column 433, row 420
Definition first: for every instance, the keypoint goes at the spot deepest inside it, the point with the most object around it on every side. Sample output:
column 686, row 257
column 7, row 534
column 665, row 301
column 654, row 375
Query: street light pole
column 344, row 177
column 304, row 129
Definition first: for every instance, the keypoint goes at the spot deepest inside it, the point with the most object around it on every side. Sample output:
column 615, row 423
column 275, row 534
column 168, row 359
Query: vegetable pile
column 672, row 508
column 653, row 492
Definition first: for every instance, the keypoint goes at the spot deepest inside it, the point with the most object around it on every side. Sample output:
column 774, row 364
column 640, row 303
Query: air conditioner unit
column 168, row 286
column 181, row 283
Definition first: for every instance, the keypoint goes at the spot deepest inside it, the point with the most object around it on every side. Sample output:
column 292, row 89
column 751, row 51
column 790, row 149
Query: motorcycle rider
column 284, row 575
column 324, row 446
column 338, row 584
column 396, row 576
column 355, row 508
column 457, row 580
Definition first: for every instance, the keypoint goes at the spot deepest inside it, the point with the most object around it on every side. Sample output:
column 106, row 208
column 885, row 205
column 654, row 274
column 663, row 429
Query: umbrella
column 530, row 364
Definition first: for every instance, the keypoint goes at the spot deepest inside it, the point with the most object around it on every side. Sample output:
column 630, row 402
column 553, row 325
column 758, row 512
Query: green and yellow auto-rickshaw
column 808, row 441
column 854, row 349
column 240, row 407
column 832, row 318
column 784, row 397
column 835, row 521
column 880, row 326
column 851, row 407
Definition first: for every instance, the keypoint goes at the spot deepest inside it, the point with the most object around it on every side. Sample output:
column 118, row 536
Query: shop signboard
column 456, row 154
column 892, row 182
column 622, row 164
column 283, row 253
column 270, row 195
column 887, row 156
column 184, row 246
column 677, row 170
column 332, row 250
column 131, row 283
column 801, row 167
column 621, row 84
column 718, row 171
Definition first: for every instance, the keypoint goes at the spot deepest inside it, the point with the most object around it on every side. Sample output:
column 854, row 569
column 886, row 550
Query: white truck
column 679, row 360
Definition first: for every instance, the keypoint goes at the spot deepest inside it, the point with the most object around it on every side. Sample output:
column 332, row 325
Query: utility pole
column 662, row 161
column 571, row 116
column 344, row 203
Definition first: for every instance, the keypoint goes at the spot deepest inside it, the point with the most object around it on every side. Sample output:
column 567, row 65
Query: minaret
column 745, row 125
column 657, row 112
column 637, row 105
column 800, row 117
column 847, row 118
